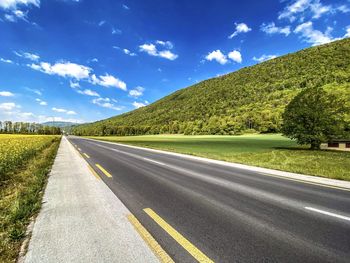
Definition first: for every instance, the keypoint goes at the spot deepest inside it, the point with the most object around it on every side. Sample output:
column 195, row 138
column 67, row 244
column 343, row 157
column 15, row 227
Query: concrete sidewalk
column 81, row 220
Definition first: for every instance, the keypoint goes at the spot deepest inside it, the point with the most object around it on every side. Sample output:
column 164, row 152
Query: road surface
column 199, row 211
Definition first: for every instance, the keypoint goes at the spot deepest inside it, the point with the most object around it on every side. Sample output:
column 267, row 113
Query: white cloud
column 271, row 28
column 166, row 44
column 31, row 56
column 311, row 35
column 16, row 15
column 38, row 92
column 108, row 81
column 41, row 102
column 218, row 56
column 347, row 34
column 6, row 60
column 235, row 56
column 74, row 85
column 152, row 49
column 125, row 7
column 106, row 103
column 139, row 104
column 137, row 92
column 6, row 94
column 101, row 23
column 8, row 106
column 58, row 110
column 240, row 28
column 69, row 112
column 128, row 52
column 264, row 58
column 116, row 31
column 299, row 9
column 89, row 92
column 12, row 4
column 63, row 69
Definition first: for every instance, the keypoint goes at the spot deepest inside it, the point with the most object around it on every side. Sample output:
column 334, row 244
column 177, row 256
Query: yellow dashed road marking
column 186, row 244
column 87, row 156
column 103, row 170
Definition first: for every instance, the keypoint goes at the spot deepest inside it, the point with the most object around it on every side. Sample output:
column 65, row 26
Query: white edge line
column 153, row 161
column 327, row 213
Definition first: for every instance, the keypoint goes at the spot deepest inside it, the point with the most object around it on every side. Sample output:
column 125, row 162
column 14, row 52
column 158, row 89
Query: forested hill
column 251, row 98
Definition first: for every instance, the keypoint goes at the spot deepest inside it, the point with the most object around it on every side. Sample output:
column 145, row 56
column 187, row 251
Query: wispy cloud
column 264, row 58
column 310, row 9
column 41, row 102
column 125, row 7
column 36, row 91
column 88, row 92
column 106, row 103
column 63, row 69
column 140, row 104
column 6, row 94
column 13, row 4
column 153, row 49
column 271, row 28
column 128, row 52
column 136, row 92
column 240, row 28
column 60, row 110
column 313, row 36
column 6, row 60
column 108, row 81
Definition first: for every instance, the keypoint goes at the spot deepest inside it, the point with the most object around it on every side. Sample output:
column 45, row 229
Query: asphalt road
column 225, row 213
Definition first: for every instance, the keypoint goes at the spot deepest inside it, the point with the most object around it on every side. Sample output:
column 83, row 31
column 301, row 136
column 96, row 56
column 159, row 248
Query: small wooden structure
column 340, row 145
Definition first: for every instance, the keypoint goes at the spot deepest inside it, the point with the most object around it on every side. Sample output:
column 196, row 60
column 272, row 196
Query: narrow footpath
column 82, row 220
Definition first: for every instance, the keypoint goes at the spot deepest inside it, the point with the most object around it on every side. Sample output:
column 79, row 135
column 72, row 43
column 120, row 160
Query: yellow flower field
column 15, row 149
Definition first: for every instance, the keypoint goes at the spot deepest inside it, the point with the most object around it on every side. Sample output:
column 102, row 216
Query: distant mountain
column 250, row 99
column 59, row 124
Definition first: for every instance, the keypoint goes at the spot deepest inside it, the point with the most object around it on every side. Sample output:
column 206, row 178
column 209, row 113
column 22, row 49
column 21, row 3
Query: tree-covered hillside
column 251, row 98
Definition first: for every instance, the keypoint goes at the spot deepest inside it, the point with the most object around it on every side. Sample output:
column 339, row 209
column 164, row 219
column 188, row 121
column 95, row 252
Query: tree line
column 9, row 127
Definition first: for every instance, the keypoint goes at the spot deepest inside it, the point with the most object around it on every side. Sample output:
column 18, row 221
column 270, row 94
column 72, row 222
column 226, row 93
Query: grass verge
column 20, row 200
column 269, row 151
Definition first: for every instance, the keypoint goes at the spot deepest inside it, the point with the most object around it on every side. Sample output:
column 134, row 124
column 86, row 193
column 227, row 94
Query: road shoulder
column 81, row 219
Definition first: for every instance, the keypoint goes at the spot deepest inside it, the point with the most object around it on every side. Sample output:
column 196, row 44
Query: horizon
column 87, row 67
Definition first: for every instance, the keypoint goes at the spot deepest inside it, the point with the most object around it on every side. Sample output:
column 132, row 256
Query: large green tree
column 316, row 115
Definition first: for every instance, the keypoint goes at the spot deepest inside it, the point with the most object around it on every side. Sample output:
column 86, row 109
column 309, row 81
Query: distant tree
column 315, row 116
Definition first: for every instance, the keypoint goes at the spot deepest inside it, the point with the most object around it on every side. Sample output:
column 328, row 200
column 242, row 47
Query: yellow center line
column 93, row 172
column 103, row 170
column 87, row 156
column 150, row 241
column 186, row 244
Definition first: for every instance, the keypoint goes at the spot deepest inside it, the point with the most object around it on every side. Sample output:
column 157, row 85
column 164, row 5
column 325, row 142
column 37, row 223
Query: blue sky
column 85, row 60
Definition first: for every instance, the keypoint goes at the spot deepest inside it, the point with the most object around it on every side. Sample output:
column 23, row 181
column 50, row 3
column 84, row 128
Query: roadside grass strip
column 150, row 241
column 186, row 244
column 103, row 170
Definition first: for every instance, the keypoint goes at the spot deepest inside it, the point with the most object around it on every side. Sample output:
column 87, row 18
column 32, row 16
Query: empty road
column 206, row 212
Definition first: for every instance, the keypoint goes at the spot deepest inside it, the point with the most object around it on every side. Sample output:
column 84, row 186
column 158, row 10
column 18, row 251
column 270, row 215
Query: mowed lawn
column 270, row 151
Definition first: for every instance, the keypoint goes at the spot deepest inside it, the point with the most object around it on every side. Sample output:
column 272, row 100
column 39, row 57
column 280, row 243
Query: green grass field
column 270, row 151
column 28, row 160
